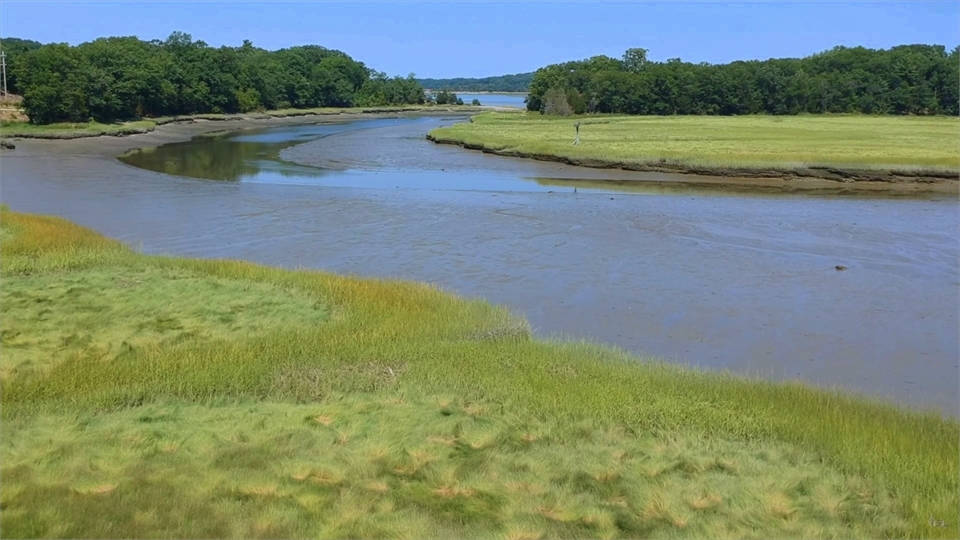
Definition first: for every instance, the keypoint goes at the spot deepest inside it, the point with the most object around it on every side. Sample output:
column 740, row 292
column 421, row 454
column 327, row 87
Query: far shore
column 482, row 92
column 18, row 131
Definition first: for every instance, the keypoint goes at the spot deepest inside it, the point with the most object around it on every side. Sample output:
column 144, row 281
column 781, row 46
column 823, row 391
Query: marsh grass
column 86, row 129
column 339, row 407
column 786, row 143
column 361, row 466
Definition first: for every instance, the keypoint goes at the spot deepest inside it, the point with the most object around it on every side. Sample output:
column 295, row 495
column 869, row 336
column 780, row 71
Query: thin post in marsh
column 3, row 67
column 577, row 140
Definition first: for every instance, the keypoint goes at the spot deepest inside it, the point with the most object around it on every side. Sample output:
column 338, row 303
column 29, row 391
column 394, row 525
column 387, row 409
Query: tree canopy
column 13, row 48
column 519, row 82
column 124, row 77
column 908, row 79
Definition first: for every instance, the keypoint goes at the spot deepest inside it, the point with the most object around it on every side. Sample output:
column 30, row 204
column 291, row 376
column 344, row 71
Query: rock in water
column 7, row 144
column 841, row 268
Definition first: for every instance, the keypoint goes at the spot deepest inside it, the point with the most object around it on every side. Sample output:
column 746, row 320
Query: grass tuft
column 161, row 397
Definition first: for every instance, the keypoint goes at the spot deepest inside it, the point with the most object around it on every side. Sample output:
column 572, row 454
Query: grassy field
column 147, row 396
column 91, row 129
column 740, row 142
column 95, row 129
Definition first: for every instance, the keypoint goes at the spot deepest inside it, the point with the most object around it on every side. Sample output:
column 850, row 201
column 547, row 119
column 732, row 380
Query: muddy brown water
column 709, row 279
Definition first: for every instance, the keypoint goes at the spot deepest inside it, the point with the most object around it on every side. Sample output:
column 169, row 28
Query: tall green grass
column 142, row 404
column 746, row 142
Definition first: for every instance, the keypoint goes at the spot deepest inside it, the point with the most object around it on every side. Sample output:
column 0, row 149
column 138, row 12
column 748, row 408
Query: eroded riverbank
column 186, row 129
column 741, row 283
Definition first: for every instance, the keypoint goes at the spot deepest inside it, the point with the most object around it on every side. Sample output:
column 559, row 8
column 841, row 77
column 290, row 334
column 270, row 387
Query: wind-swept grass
column 142, row 404
column 786, row 143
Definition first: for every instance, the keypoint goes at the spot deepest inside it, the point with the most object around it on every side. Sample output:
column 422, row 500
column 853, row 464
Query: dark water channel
column 716, row 280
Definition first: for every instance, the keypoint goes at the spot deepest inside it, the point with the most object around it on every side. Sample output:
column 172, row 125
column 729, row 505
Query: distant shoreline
column 486, row 92
column 139, row 127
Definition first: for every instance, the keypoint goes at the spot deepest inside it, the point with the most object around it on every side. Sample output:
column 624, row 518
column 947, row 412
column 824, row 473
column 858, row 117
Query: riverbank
column 65, row 131
column 183, row 130
column 241, row 400
column 787, row 153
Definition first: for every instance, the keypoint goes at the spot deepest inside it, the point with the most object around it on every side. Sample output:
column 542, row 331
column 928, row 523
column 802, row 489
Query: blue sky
column 476, row 39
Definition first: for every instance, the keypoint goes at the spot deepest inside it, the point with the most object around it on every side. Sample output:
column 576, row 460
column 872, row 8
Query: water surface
column 394, row 155
column 496, row 100
column 746, row 283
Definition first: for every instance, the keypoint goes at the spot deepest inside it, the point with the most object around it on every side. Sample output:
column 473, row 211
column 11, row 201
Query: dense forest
column 124, row 77
column 908, row 79
column 13, row 48
column 519, row 82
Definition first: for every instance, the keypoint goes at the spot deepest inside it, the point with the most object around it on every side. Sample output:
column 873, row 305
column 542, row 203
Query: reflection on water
column 254, row 157
column 404, row 159
column 216, row 159
column 245, row 155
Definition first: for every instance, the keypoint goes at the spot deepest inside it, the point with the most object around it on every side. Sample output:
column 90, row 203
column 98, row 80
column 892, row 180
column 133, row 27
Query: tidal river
column 709, row 279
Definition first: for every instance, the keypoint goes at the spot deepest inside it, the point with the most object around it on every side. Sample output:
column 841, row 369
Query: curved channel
column 716, row 280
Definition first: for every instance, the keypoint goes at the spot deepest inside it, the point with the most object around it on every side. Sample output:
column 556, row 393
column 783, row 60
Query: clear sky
column 478, row 39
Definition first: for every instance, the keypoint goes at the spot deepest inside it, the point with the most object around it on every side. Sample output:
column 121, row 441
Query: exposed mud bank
column 185, row 129
column 139, row 130
column 798, row 179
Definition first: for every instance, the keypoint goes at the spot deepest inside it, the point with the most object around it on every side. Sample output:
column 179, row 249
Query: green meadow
column 787, row 143
column 147, row 396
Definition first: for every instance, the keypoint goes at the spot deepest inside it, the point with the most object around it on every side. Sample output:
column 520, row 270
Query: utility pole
column 3, row 68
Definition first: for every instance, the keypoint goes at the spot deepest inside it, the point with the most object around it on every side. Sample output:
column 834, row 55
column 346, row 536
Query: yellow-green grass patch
column 110, row 311
column 362, row 466
column 89, row 129
column 373, row 371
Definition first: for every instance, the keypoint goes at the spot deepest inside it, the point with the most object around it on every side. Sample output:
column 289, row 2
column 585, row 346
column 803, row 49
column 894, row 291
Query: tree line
column 117, row 78
column 519, row 82
column 908, row 79
column 13, row 48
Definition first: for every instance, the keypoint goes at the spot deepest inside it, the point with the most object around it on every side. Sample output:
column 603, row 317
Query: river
column 495, row 100
column 719, row 280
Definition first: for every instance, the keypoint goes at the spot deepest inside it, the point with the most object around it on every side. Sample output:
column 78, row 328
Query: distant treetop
column 519, row 82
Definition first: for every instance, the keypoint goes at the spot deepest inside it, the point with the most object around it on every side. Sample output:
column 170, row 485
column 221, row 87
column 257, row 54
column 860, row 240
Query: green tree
column 13, row 48
column 635, row 60
column 555, row 103
column 519, row 82
column 445, row 97
column 909, row 79
column 124, row 77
